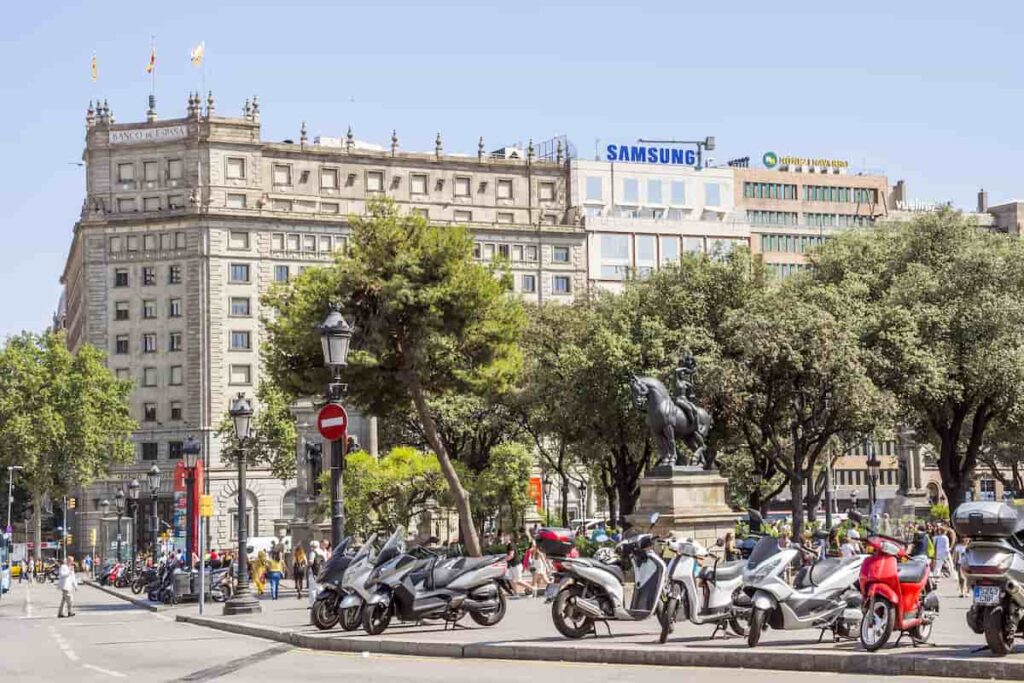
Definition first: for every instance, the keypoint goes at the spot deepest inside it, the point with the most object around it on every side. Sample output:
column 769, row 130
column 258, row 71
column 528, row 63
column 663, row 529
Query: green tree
column 64, row 417
column 503, row 485
column 943, row 317
column 273, row 438
column 428, row 321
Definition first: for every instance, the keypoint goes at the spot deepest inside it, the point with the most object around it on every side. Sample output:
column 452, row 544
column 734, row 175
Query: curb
column 834, row 662
column 141, row 604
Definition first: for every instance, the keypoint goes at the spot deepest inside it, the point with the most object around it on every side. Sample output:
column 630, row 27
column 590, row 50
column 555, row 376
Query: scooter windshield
column 765, row 548
column 394, row 547
column 366, row 549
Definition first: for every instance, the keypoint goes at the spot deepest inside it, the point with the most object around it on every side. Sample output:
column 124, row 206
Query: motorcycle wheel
column 877, row 624
column 739, row 625
column 153, row 596
column 491, row 617
column 137, row 587
column 758, row 617
column 998, row 637
column 121, row 582
column 376, row 619
column 570, row 622
column 351, row 617
column 325, row 613
column 667, row 617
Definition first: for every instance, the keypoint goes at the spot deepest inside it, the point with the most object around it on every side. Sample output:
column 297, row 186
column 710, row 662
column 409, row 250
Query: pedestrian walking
column 537, row 564
column 259, row 572
column 315, row 563
column 299, row 570
column 941, row 541
column 514, row 572
column 275, row 572
column 68, row 584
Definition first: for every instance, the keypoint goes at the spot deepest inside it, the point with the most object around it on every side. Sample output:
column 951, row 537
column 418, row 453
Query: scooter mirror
column 856, row 516
column 755, row 515
column 655, row 516
column 720, row 542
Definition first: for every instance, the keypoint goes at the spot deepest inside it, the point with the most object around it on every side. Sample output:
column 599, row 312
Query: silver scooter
column 353, row 584
column 593, row 590
column 824, row 595
column 701, row 594
column 994, row 568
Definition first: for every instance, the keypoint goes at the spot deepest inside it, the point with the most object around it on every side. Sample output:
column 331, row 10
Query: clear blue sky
column 926, row 91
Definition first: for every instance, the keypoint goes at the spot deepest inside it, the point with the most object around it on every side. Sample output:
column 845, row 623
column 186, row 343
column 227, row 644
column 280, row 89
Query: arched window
column 288, row 505
column 251, row 516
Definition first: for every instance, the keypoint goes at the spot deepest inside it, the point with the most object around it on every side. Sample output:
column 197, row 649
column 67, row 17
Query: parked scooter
column 412, row 589
column 353, row 592
column 824, row 595
column 143, row 578
column 703, row 595
column 593, row 590
column 899, row 593
column 220, row 585
column 325, row 612
column 994, row 568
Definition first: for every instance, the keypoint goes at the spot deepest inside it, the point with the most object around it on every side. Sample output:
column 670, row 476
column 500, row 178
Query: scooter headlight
column 764, row 570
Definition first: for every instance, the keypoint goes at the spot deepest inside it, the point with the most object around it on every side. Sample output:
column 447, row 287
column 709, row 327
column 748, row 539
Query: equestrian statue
column 680, row 418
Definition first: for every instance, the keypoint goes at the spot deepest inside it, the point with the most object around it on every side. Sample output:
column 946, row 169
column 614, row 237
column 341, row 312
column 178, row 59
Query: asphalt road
column 110, row 639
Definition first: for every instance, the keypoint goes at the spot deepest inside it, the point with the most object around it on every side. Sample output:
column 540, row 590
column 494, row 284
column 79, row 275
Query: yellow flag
column 152, row 60
column 95, row 72
column 197, row 53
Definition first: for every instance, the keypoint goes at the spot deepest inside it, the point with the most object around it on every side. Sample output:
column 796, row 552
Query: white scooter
column 824, row 595
column 353, row 585
column 703, row 595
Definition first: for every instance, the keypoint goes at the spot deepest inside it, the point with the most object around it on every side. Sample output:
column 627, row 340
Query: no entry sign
column 332, row 421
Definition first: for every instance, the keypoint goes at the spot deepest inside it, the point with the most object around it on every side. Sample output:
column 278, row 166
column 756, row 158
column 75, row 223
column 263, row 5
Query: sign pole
column 202, row 570
column 332, row 423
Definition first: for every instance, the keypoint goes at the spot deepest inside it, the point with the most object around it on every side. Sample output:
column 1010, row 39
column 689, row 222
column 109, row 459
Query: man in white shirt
column 68, row 584
column 941, row 541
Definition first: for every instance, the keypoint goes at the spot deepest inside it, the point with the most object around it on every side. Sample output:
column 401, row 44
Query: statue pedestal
column 691, row 503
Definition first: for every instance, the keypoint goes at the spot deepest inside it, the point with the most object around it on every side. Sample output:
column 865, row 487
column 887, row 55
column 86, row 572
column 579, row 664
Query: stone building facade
column 187, row 222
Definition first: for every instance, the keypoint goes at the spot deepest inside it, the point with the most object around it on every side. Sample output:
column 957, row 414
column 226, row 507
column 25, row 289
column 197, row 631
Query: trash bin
column 182, row 584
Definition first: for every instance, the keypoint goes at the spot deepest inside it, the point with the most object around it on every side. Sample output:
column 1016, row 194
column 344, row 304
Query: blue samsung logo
column 646, row 154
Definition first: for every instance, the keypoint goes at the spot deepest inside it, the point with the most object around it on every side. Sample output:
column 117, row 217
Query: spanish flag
column 152, row 60
column 196, row 56
column 95, row 71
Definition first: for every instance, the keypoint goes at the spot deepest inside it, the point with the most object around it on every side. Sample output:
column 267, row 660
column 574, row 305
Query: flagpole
column 152, row 72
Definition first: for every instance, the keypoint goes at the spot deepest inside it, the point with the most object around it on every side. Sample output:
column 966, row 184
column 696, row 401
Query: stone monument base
column 691, row 502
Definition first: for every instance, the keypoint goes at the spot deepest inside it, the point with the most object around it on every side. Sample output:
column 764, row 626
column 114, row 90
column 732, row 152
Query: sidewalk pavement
column 527, row 633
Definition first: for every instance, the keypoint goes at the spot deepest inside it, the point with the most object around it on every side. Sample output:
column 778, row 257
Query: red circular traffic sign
column 332, row 421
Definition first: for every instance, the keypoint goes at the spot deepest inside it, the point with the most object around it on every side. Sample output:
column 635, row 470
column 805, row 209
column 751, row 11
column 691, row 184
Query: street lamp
column 874, row 467
column 190, row 449
column 755, row 479
column 133, row 506
column 10, row 491
column 335, row 337
column 243, row 601
column 153, row 480
column 853, row 500
column 104, row 510
column 119, row 504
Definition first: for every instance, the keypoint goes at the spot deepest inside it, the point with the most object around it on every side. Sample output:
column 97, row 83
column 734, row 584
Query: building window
column 550, row 219
column 546, row 192
column 375, row 181
column 529, row 283
column 282, row 174
column 179, row 240
column 148, row 309
column 123, row 374
column 615, row 258
column 669, row 249
column 175, row 449
column 149, row 450
column 506, row 217
column 241, row 340
column 328, row 179
column 121, row 277
column 987, row 489
column 463, row 216
column 462, row 186
column 125, row 173
column 330, row 207
column 422, row 213
column 149, row 377
column 238, row 240
column 176, row 201
column 504, row 188
column 151, row 204
column 235, row 201
column 176, row 411
column 114, row 245
column 133, row 243
column 594, row 189
column 282, row 205
column 121, row 310
column 488, row 252
column 239, row 272
column 241, row 374
column 418, row 183
column 121, row 344
column 293, row 243
column 560, row 284
column 504, row 251
column 236, row 168
column 174, row 308
column 174, row 169
column 654, row 191
column 309, row 243
column 166, row 241
column 148, row 276
column 645, row 253
column 325, row 244
column 125, row 205
column 149, row 342
column 531, row 253
column 149, row 242
column 678, row 192
column 630, row 191
column 712, row 194
column 149, row 412
column 174, row 275
column 174, row 341
column 150, row 171
column 560, row 254
column 240, row 306
column 280, row 273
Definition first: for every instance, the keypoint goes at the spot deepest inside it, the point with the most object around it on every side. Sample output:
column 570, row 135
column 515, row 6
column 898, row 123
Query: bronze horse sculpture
column 668, row 421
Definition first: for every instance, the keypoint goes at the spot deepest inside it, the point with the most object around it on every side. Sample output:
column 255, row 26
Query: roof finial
column 394, row 141
column 90, row 116
column 558, row 151
column 151, row 112
column 480, row 149
column 529, row 150
column 438, row 147
column 349, row 139
column 255, row 110
column 209, row 104
column 246, row 109
column 302, row 135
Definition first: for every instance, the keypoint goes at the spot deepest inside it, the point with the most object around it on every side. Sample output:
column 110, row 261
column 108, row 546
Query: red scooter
column 899, row 593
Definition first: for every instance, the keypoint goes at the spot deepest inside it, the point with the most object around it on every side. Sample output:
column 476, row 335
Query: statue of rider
column 686, row 381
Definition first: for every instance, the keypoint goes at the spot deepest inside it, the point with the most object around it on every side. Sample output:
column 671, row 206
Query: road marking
column 63, row 644
column 115, row 674
column 28, row 602
column 234, row 665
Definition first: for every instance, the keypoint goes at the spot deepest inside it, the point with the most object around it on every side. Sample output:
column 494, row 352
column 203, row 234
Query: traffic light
column 72, row 503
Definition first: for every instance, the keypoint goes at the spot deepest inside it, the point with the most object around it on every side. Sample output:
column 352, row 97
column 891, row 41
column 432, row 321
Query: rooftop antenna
column 597, row 149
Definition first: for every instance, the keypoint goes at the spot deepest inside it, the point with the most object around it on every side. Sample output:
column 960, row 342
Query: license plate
column 551, row 591
column 987, row 595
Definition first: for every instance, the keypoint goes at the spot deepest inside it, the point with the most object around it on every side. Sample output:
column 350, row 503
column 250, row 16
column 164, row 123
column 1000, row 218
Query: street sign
column 206, row 505
column 332, row 421
column 92, row 536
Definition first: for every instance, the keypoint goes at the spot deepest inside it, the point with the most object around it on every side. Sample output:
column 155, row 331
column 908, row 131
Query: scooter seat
column 911, row 572
column 446, row 573
column 819, row 571
column 725, row 571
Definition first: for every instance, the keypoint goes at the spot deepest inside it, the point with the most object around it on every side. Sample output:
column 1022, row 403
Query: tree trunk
column 564, row 487
column 459, row 494
column 796, row 491
column 37, row 525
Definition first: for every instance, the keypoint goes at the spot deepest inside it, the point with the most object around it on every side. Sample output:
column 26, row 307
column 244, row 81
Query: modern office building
column 640, row 215
column 186, row 222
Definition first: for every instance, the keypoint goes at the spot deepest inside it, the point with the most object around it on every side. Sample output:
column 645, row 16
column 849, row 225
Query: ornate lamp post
column 874, row 467
column 243, row 601
column 104, row 511
column 133, row 506
column 153, row 480
column 335, row 336
column 119, row 504
column 755, row 479
column 190, row 449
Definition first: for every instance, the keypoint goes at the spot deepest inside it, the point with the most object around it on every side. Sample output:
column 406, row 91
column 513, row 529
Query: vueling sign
column 647, row 154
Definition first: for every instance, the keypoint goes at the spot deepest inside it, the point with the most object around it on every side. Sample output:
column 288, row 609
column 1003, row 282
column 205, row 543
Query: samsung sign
column 647, row 154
